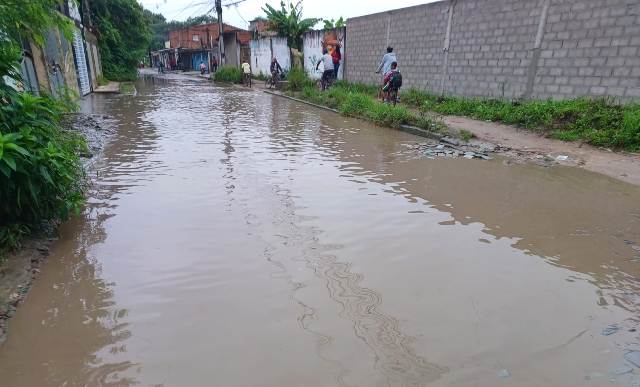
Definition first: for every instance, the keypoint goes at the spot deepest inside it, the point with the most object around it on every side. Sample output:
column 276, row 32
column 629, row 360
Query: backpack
column 396, row 80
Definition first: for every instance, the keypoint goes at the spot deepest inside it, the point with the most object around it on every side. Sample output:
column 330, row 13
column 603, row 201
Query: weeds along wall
column 506, row 48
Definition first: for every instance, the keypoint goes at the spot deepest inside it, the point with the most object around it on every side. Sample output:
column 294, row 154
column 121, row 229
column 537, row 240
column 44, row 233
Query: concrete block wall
column 590, row 47
column 506, row 48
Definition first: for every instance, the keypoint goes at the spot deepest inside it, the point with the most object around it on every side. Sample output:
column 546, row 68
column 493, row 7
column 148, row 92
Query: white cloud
column 249, row 9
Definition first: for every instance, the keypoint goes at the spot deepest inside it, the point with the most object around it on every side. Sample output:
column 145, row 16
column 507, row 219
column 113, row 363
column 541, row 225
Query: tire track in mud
column 395, row 358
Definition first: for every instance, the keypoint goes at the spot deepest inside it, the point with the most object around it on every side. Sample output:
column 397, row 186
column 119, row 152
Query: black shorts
column 328, row 74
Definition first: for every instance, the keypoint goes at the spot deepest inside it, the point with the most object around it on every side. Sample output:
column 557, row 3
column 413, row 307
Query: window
column 195, row 38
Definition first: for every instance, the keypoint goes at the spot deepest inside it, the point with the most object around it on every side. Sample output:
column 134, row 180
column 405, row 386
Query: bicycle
column 392, row 96
column 272, row 82
column 325, row 83
column 247, row 81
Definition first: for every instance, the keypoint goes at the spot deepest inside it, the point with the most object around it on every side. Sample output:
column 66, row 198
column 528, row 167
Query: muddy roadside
column 472, row 138
column 22, row 267
column 523, row 145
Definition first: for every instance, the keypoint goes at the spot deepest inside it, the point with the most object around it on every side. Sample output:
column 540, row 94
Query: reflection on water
column 229, row 231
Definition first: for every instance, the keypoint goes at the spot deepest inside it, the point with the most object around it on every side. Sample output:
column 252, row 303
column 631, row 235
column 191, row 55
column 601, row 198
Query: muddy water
column 237, row 239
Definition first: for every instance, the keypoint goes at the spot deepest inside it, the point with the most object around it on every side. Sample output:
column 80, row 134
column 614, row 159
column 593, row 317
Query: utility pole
column 221, row 31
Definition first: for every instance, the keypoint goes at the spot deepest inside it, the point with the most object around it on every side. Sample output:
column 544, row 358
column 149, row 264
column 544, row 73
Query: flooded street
column 233, row 238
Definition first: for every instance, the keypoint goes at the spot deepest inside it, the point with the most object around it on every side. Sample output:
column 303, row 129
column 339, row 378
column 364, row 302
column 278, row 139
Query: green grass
column 297, row 80
column 229, row 74
column 102, row 81
column 127, row 88
column 599, row 122
column 354, row 100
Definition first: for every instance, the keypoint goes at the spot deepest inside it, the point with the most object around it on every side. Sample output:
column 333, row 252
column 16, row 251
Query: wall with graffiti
column 315, row 41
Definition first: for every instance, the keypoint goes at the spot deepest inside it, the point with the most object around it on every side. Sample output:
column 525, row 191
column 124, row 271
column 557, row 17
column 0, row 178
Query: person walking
column 214, row 64
column 337, row 57
column 385, row 66
column 246, row 70
column 327, row 64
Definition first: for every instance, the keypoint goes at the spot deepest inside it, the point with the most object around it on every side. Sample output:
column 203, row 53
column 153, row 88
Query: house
column 260, row 29
column 186, row 48
column 61, row 63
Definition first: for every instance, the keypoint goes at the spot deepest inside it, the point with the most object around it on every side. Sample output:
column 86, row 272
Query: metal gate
column 81, row 63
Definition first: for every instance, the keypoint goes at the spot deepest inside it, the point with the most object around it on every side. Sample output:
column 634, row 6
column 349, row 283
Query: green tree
column 32, row 19
column 289, row 23
column 125, row 35
column 331, row 24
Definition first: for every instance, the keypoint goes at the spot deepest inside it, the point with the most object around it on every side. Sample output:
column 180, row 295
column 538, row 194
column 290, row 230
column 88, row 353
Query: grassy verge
column 354, row 100
column 229, row 74
column 127, row 88
column 102, row 81
column 599, row 122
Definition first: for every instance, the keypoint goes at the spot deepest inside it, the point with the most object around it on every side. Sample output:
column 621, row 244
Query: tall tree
column 289, row 22
column 124, row 36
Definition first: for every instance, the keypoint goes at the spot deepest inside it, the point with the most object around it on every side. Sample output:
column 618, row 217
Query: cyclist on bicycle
column 276, row 70
column 392, row 83
column 327, row 62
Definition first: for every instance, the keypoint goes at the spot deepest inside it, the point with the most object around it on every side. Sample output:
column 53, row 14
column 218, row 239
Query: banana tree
column 289, row 23
column 331, row 24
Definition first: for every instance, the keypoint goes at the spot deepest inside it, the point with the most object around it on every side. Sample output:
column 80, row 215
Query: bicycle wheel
column 267, row 83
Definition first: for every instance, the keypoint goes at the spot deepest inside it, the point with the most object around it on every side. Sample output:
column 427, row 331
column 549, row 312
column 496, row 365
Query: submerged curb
column 405, row 128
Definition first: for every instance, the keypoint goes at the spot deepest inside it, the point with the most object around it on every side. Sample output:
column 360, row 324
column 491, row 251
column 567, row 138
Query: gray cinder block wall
column 506, row 48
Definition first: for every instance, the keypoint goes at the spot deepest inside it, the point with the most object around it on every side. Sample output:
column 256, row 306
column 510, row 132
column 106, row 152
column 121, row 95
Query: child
column 392, row 81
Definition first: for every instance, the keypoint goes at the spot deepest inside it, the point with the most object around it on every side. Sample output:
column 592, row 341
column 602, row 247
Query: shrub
column 229, row 74
column 297, row 80
column 385, row 114
column 356, row 105
column 40, row 172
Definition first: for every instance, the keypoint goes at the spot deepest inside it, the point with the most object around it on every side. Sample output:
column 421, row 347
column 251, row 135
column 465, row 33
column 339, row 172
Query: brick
column 616, row 42
column 602, row 42
column 586, row 71
column 628, row 51
column 633, row 92
column 621, row 72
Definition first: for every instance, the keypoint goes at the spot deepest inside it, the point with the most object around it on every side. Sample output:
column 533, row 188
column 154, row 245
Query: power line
column 238, row 12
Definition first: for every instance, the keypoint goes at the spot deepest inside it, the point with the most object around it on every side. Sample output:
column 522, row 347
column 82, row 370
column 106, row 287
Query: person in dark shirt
column 276, row 70
column 337, row 57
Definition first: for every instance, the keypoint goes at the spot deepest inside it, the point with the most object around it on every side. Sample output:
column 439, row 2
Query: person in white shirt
column 246, row 69
column 327, row 63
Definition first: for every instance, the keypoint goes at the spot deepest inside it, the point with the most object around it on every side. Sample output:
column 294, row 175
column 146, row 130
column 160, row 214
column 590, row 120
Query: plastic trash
column 504, row 374
column 633, row 357
column 610, row 330
column 562, row 158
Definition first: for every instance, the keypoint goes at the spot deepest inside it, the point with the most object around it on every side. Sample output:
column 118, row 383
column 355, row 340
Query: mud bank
column 22, row 267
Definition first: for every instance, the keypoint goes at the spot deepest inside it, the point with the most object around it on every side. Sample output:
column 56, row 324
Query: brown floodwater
column 234, row 238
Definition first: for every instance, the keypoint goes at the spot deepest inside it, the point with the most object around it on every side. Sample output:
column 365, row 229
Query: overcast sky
column 250, row 9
